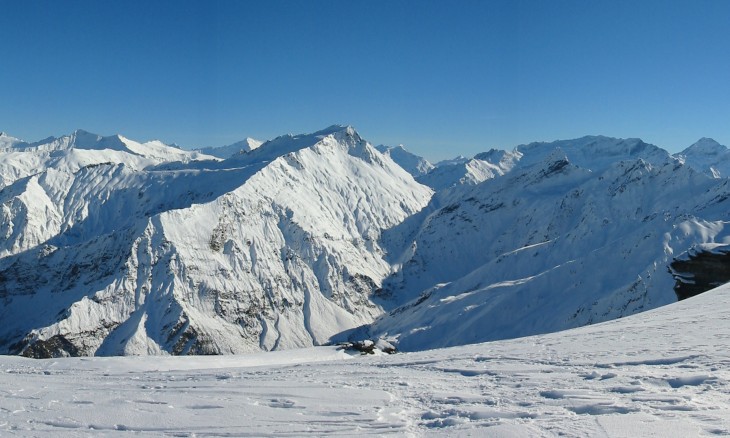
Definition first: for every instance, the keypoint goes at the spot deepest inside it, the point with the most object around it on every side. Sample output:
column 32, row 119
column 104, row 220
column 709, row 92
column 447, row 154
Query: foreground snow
column 659, row 373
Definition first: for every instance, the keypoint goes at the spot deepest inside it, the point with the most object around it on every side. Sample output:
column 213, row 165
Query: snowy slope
column 246, row 145
column 662, row 373
column 548, row 246
column 412, row 163
column 273, row 249
column 707, row 156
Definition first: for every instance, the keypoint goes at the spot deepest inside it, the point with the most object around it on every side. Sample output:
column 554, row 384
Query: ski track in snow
column 660, row 373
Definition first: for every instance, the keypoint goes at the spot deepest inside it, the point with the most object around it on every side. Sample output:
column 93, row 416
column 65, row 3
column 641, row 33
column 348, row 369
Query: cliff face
column 699, row 272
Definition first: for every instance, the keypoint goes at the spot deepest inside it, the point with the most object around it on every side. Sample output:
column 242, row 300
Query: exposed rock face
column 700, row 272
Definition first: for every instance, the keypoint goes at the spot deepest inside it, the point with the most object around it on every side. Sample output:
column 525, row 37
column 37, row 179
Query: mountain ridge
column 235, row 271
column 147, row 249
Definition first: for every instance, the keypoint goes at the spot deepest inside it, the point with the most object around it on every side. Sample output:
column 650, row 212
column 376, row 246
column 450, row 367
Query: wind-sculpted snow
column 661, row 373
column 546, row 247
column 273, row 249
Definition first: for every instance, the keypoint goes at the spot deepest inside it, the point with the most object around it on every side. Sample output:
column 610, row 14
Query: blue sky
column 444, row 78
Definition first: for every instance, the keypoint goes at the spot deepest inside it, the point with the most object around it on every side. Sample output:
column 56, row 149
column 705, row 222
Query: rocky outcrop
column 700, row 271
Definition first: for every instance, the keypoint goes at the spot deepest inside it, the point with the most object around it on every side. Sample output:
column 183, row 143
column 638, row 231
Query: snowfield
column 660, row 373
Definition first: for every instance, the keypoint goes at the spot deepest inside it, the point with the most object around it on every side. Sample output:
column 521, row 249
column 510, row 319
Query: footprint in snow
column 204, row 407
column 282, row 403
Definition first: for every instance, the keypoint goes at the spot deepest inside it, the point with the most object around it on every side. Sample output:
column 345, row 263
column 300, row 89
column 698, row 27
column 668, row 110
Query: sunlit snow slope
column 661, row 373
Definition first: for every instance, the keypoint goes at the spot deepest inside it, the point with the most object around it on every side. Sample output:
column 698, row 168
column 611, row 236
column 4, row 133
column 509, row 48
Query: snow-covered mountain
column 470, row 171
column 246, row 145
column 274, row 249
column 117, row 247
column 707, row 156
column 456, row 160
column 576, row 233
column 412, row 163
column 70, row 153
column 594, row 152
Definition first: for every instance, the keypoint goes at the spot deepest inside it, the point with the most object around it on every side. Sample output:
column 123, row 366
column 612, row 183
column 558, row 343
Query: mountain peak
column 84, row 133
column 285, row 144
column 347, row 129
column 81, row 139
column 706, row 146
column 9, row 141
column 707, row 156
column 410, row 162
column 240, row 147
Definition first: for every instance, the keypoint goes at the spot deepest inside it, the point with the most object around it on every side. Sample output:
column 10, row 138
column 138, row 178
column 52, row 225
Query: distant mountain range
column 115, row 247
column 246, row 145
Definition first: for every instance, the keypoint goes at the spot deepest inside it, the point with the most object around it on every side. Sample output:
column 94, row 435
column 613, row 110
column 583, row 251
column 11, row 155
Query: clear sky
column 444, row 78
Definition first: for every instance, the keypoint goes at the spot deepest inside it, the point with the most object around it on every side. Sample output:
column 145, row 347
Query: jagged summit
column 289, row 143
